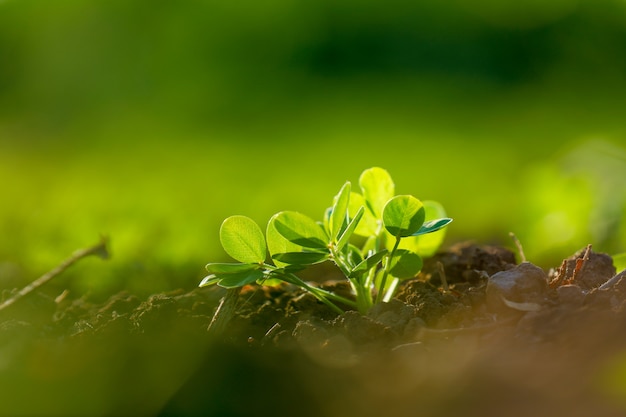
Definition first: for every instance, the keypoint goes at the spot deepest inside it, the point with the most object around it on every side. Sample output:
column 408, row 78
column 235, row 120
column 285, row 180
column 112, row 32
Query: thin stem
column 363, row 303
column 321, row 294
column 383, row 281
column 519, row 247
column 391, row 290
column 371, row 276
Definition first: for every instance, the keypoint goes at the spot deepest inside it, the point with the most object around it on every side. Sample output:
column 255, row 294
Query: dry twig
column 101, row 250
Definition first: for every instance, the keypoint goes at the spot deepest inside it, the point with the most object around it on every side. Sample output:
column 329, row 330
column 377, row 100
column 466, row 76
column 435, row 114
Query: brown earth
column 501, row 339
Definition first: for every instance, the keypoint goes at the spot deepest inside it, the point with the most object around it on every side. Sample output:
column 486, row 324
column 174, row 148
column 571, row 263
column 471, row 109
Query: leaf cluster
column 376, row 238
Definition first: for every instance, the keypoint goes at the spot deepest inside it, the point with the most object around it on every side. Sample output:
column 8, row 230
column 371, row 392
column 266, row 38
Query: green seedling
column 374, row 237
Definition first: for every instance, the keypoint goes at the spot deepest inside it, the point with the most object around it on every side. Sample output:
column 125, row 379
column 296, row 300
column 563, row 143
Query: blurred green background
column 151, row 122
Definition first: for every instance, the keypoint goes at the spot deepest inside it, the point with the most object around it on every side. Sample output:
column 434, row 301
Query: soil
column 491, row 338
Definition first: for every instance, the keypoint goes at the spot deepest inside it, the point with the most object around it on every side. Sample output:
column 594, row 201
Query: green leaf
column 301, row 258
column 433, row 226
column 300, row 230
column 369, row 263
column 233, row 280
column 405, row 264
column 326, row 221
column 427, row 245
column 270, row 282
column 345, row 237
column 377, row 187
column 403, row 215
column 339, row 214
column 352, row 255
column 240, row 279
column 242, row 239
column 277, row 243
column 209, row 280
column 230, row 268
column 368, row 225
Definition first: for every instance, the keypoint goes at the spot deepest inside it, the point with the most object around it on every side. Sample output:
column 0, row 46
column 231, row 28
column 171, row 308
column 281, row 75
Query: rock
column 587, row 269
column 571, row 295
column 524, row 285
column 596, row 270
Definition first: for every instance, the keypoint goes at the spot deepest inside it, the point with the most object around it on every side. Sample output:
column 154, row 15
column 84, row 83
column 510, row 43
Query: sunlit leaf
column 209, row 280
column 405, row 264
column 233, row 280
column 270, row 282
column 301, row 258
column 277, row 243
column 353, row 255
column 326, row 221
column 347, row 233
column 300, row 230
column 432, row 226
column 369, row 263
column 428, row 244
column 230, row 268
column 240, row 279
column 377, row 187
column 242, row 239
column 368, row 224
column 339, row 212
column 403, row 215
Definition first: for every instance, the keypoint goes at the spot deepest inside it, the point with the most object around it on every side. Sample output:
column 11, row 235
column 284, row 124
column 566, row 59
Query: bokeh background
column 152, row 121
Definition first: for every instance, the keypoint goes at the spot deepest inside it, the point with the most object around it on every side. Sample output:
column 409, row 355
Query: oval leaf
column 377, row 187
column 301, row 258
column 300, row 230
column 427, row 245
column 403, row 215
column 405, row 264
column 277, row 243
column 242, row 239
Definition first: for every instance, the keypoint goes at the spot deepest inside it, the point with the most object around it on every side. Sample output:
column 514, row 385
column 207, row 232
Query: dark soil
column 501, row 340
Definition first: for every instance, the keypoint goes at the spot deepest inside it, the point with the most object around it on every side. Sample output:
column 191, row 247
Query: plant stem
column 383, row 281
column 363, row 301
column 391, row 290
column 321, row 294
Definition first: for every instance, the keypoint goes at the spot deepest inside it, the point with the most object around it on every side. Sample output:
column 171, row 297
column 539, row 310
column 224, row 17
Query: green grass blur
column 151, row 122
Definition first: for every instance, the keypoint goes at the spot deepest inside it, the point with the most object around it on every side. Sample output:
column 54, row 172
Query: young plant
column 375, row 238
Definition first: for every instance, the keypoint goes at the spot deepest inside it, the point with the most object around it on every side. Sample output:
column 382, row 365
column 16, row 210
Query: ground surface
column 503, row 339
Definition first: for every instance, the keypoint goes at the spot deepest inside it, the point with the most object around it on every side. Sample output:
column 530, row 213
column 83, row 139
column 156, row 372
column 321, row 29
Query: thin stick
column 442, row 276
column 100, row 250
column 580, row 263
column 518, row 244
